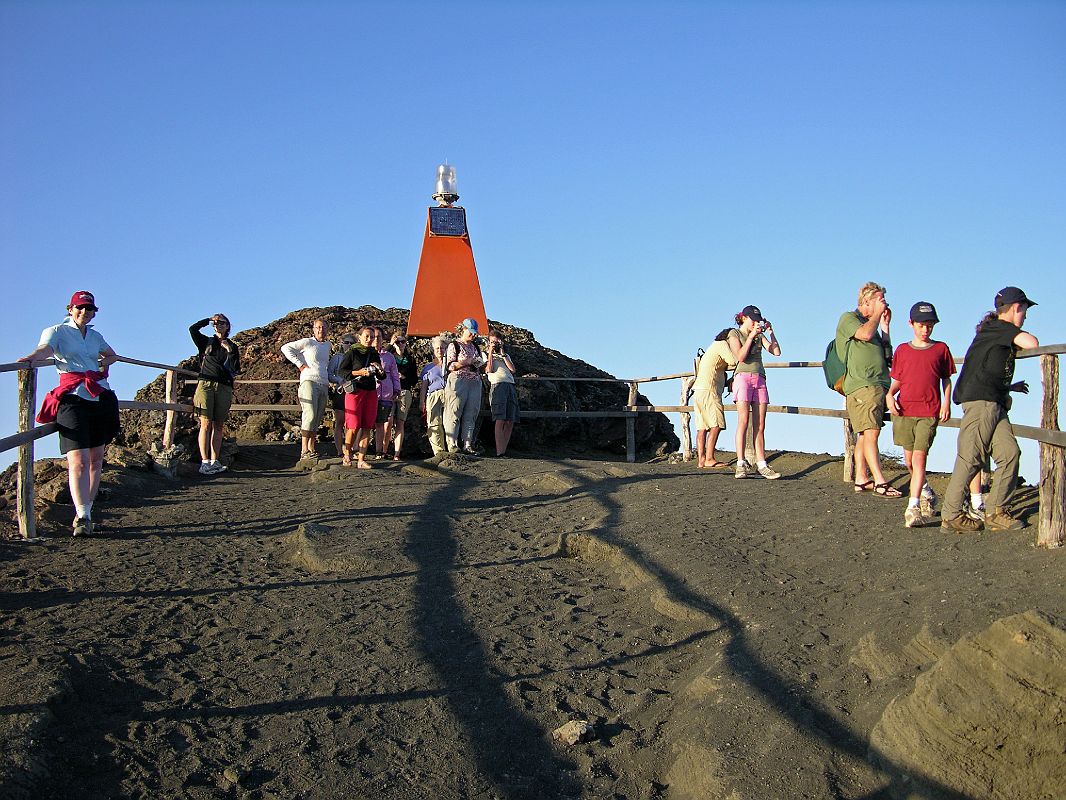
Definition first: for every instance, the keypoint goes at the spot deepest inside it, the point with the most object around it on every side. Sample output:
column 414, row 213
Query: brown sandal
column 887, row 490
column 864, row 487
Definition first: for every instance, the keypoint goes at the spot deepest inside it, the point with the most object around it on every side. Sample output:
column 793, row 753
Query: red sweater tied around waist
column 68, row 382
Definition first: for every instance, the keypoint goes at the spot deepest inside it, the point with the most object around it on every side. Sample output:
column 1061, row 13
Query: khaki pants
column 435, row 421
column 984, row 430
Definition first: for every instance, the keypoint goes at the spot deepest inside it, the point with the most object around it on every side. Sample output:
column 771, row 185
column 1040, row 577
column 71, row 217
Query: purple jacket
column 389, row 386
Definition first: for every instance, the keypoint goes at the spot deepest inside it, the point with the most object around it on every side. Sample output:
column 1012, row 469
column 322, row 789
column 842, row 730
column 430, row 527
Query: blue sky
column 633, row 173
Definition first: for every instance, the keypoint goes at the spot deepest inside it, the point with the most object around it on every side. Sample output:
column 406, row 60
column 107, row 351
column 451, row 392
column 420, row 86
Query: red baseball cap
column 83, row 299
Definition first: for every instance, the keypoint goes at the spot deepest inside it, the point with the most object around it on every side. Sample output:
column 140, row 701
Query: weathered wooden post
column 1052, row 530
column 686, row 417
column 631, row 425
column 24, row 501
column 749, row 436
column 170, row 397
column 632, row 401
column 849, row 451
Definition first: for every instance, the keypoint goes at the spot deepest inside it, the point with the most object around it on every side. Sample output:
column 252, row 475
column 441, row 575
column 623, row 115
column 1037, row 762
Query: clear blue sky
column 633, row 173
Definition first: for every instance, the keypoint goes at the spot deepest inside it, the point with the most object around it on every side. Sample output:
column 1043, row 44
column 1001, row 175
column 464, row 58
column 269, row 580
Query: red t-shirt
column 920, row 373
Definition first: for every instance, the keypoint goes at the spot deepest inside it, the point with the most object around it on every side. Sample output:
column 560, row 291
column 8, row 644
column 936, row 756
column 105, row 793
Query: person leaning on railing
column 83, row 406
column 220, row 361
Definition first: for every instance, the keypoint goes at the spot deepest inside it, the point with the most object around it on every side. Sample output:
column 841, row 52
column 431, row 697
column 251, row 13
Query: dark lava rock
column 261, row 359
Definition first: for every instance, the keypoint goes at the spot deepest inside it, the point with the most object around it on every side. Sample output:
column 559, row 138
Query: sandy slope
column 419, row 631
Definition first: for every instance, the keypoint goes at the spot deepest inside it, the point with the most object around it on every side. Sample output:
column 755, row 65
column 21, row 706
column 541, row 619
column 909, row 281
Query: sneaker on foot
column 997, row 519
column 961, row 523
column 972, row 512
column 83, row 526
column 205, row 467
column 215, row 467
column 914, row 518
column 768, row 473
column 744, row 471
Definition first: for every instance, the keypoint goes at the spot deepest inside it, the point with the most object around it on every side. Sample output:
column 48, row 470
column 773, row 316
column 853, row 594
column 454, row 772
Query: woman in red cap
column 83, row 405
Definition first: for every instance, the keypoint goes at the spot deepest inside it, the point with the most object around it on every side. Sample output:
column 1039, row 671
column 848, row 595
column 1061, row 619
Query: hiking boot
column 914, row 518
column 83, row 526
column 997, row 519
column 961, row 523
column 768, row 473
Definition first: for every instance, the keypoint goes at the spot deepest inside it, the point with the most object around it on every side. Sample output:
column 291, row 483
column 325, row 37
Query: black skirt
column 86, row 423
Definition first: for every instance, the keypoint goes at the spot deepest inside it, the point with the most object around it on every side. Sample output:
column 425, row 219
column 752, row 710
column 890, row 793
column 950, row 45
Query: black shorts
column 86, row 423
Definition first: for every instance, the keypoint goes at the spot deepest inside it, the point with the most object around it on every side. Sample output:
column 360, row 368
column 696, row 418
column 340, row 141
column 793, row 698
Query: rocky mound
column 987, row 721
column 261, row 359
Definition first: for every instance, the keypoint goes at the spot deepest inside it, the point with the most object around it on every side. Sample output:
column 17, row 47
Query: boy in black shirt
column 983, row 390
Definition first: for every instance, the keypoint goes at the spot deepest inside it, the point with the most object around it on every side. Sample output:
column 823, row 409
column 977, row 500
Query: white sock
column 912, row 503
column 976, row 500
column 205, row 461
column 84, row 511
column 761, row 464
column 741, row 462
column 927, row 490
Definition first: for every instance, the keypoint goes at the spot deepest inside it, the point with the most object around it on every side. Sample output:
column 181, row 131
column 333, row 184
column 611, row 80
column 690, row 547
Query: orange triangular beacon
column 446, row 289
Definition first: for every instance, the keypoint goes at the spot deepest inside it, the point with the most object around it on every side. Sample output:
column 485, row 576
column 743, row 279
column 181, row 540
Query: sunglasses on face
column 85, row 308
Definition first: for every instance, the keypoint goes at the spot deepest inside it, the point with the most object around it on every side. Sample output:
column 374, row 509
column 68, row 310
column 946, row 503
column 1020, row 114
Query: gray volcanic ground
column 418, row 631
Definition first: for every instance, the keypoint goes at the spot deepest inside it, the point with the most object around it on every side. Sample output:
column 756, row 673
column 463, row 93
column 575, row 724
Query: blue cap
column 470, row 324
column 1009, row 295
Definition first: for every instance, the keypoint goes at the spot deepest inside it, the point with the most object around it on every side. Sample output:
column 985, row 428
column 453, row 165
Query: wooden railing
column 1052, row 519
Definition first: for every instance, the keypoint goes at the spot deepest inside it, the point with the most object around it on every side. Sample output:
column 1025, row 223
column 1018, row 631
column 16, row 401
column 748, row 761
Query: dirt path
column 419, row 630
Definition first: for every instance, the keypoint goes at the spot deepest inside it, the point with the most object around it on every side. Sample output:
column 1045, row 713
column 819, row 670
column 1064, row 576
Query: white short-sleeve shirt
column 74, row 353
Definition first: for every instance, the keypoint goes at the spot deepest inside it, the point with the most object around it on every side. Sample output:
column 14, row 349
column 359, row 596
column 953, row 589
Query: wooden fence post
column 169, row 397
column 686, row 428
column 631, row 439
column 849, row 451
column 1052, row 531
column 27, row 404
column 632, row 401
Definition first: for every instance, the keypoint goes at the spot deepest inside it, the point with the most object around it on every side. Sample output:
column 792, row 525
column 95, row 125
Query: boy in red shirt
column 920, row 398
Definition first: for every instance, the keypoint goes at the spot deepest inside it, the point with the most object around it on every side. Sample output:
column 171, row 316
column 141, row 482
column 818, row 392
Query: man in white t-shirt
column 311, row 357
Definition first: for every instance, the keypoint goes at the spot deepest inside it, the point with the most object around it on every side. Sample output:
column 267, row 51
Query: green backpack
column 834, row 368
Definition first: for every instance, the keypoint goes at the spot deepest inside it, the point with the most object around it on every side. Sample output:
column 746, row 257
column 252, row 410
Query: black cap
column 752, row 312
column 923, row 312
column 1009, row 295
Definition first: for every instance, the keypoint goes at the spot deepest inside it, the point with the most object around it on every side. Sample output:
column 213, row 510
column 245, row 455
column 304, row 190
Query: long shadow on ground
column 511, row 751
column 786, row 697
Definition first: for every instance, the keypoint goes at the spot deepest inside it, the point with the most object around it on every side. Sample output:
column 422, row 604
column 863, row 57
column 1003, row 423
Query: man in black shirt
column 983, row 390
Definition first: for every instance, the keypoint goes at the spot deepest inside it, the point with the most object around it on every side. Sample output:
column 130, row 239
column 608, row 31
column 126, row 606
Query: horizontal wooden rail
column 1057, row 438
column 19, row 439
column 23, row 365
column 153, row 364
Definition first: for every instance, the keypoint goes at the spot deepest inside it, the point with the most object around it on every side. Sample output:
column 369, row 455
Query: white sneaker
column 742, row 471
column 914, row 518
column 768, row 473
column 928, row 502
column 974, row 513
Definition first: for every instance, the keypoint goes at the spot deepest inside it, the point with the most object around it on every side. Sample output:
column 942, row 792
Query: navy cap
column 752, row 312
column 1009, row 295
column 923, row 312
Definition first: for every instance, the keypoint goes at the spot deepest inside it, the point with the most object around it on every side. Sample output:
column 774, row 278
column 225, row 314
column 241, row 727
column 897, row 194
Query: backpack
column 834, row 368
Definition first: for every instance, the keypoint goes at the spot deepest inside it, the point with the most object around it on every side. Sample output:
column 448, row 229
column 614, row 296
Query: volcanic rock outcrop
column 261, row 359
column 987, row 721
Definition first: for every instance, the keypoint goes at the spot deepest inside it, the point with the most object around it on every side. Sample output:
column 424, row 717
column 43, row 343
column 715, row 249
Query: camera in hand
column 376, row 370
